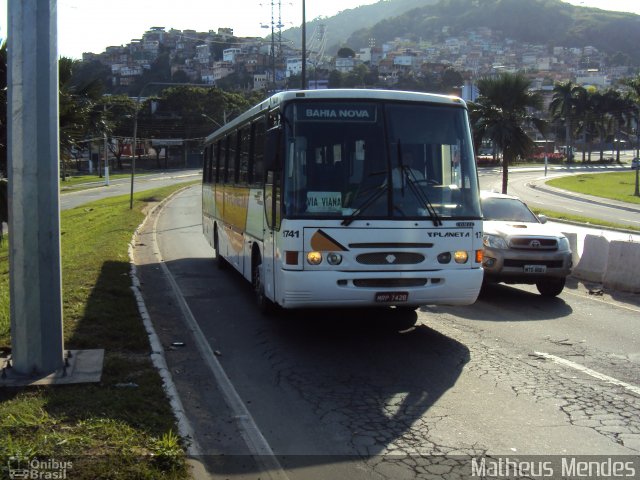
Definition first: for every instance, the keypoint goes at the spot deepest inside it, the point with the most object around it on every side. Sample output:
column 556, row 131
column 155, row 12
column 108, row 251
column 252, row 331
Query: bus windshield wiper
column 379, row 190
column 412, row 183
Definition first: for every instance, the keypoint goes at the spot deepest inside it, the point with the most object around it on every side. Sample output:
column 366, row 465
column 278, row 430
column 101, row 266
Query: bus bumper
column 299, row 289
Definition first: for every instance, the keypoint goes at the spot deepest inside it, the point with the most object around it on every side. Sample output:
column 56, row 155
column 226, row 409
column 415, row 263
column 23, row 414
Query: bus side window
column 252, row 153
column 210, row 161
column 244, row 139
column 216, row 161
column 258, row 157
column 233, row 158
column 227, row 173
column 205, row 165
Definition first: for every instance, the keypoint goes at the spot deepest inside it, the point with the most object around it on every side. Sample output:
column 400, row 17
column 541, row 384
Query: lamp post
column 133, row 146
column 303, row 73
column 204, row 115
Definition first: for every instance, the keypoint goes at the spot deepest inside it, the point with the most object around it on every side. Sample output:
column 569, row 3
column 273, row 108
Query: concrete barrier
column 593, row 262
column 573, row 244
column 623, row 267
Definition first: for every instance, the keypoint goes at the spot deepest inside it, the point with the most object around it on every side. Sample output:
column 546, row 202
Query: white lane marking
column 588, row 371
column 606, row 302
column 257, row 444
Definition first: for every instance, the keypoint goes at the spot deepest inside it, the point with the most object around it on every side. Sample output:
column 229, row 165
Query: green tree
column 451, row 78
column 335, row 79
column 633, row 95
column 346, row 52
column 119, row 111
column 356, row 77
column 564, row 107
column 501, row 113
column 3, row 110
column 77, row 113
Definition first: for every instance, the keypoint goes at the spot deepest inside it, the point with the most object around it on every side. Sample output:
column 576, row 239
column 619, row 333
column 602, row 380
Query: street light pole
column 204, row 115
column 106, row 155
column 133, row 147
column 303, row 74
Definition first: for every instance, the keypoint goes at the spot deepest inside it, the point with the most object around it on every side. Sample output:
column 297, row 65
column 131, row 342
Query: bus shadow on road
column 506, row 303
column 341, row 385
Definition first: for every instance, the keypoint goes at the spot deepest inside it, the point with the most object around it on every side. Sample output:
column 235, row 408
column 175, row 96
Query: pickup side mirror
column 542, row 218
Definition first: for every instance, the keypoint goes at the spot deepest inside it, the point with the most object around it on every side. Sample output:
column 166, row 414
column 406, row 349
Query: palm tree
column 633, row 95
column 501, row 113
column 564, row 107
column 601, row 106
column 582, row 116
column 3, row 110
column 616, row 109
column 77, row 113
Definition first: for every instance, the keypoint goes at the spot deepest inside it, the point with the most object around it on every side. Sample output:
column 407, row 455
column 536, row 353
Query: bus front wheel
column 265, row 305
column 221, row 263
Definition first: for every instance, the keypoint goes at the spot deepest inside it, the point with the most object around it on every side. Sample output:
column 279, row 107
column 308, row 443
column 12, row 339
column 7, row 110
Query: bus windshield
column 378, row 160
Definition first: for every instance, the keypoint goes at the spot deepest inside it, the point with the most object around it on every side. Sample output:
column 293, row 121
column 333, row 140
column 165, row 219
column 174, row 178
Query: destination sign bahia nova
column 351, row 112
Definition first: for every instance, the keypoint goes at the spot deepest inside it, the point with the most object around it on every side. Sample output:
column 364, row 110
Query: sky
column 93, row 25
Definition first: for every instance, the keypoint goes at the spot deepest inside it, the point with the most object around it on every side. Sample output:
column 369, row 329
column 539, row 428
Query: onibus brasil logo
column 50, row 469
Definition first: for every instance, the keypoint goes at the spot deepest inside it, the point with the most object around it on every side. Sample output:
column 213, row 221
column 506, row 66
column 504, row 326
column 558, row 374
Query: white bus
column 332, row 198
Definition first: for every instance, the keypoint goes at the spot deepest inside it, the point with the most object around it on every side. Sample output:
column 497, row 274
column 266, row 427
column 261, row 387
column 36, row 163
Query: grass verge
column 84, row 182
column 615, row 186
column 587, row 221
column 122, row 427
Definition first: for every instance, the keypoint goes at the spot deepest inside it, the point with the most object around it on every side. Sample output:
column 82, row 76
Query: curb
column 185, row 430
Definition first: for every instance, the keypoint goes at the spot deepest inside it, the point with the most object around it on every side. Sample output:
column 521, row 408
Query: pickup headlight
column 494, row 241
column 563, row 244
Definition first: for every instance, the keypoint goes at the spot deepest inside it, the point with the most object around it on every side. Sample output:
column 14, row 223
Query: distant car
column 518, row 248
column 635, row 164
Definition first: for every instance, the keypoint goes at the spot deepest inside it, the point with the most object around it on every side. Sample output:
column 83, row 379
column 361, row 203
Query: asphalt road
column 123, row 186
column 344, row 394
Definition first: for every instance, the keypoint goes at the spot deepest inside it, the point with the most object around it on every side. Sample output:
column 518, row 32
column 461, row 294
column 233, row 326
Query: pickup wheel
column 551, row 287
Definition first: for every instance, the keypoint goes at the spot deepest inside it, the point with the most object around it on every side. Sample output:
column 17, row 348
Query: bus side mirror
column 273, row 149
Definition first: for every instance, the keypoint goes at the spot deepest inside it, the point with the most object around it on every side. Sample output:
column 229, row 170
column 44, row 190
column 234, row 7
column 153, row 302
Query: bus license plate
column 392, row 297
column 535, row 269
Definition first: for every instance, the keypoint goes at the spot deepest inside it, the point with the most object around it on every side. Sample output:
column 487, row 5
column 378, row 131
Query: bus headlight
column 461, row 256
column 314, row 258
column 334, row 258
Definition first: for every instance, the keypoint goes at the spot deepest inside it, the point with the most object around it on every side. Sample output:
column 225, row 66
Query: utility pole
column 106, row 155
column 303, row 74
column 34, row 175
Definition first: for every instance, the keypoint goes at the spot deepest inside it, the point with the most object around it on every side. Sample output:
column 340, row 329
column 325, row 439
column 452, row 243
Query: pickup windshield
column 378, row 160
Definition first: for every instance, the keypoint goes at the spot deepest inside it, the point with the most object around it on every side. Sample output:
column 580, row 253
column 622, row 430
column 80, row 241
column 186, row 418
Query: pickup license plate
column 535, row 269
column 392, row 297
